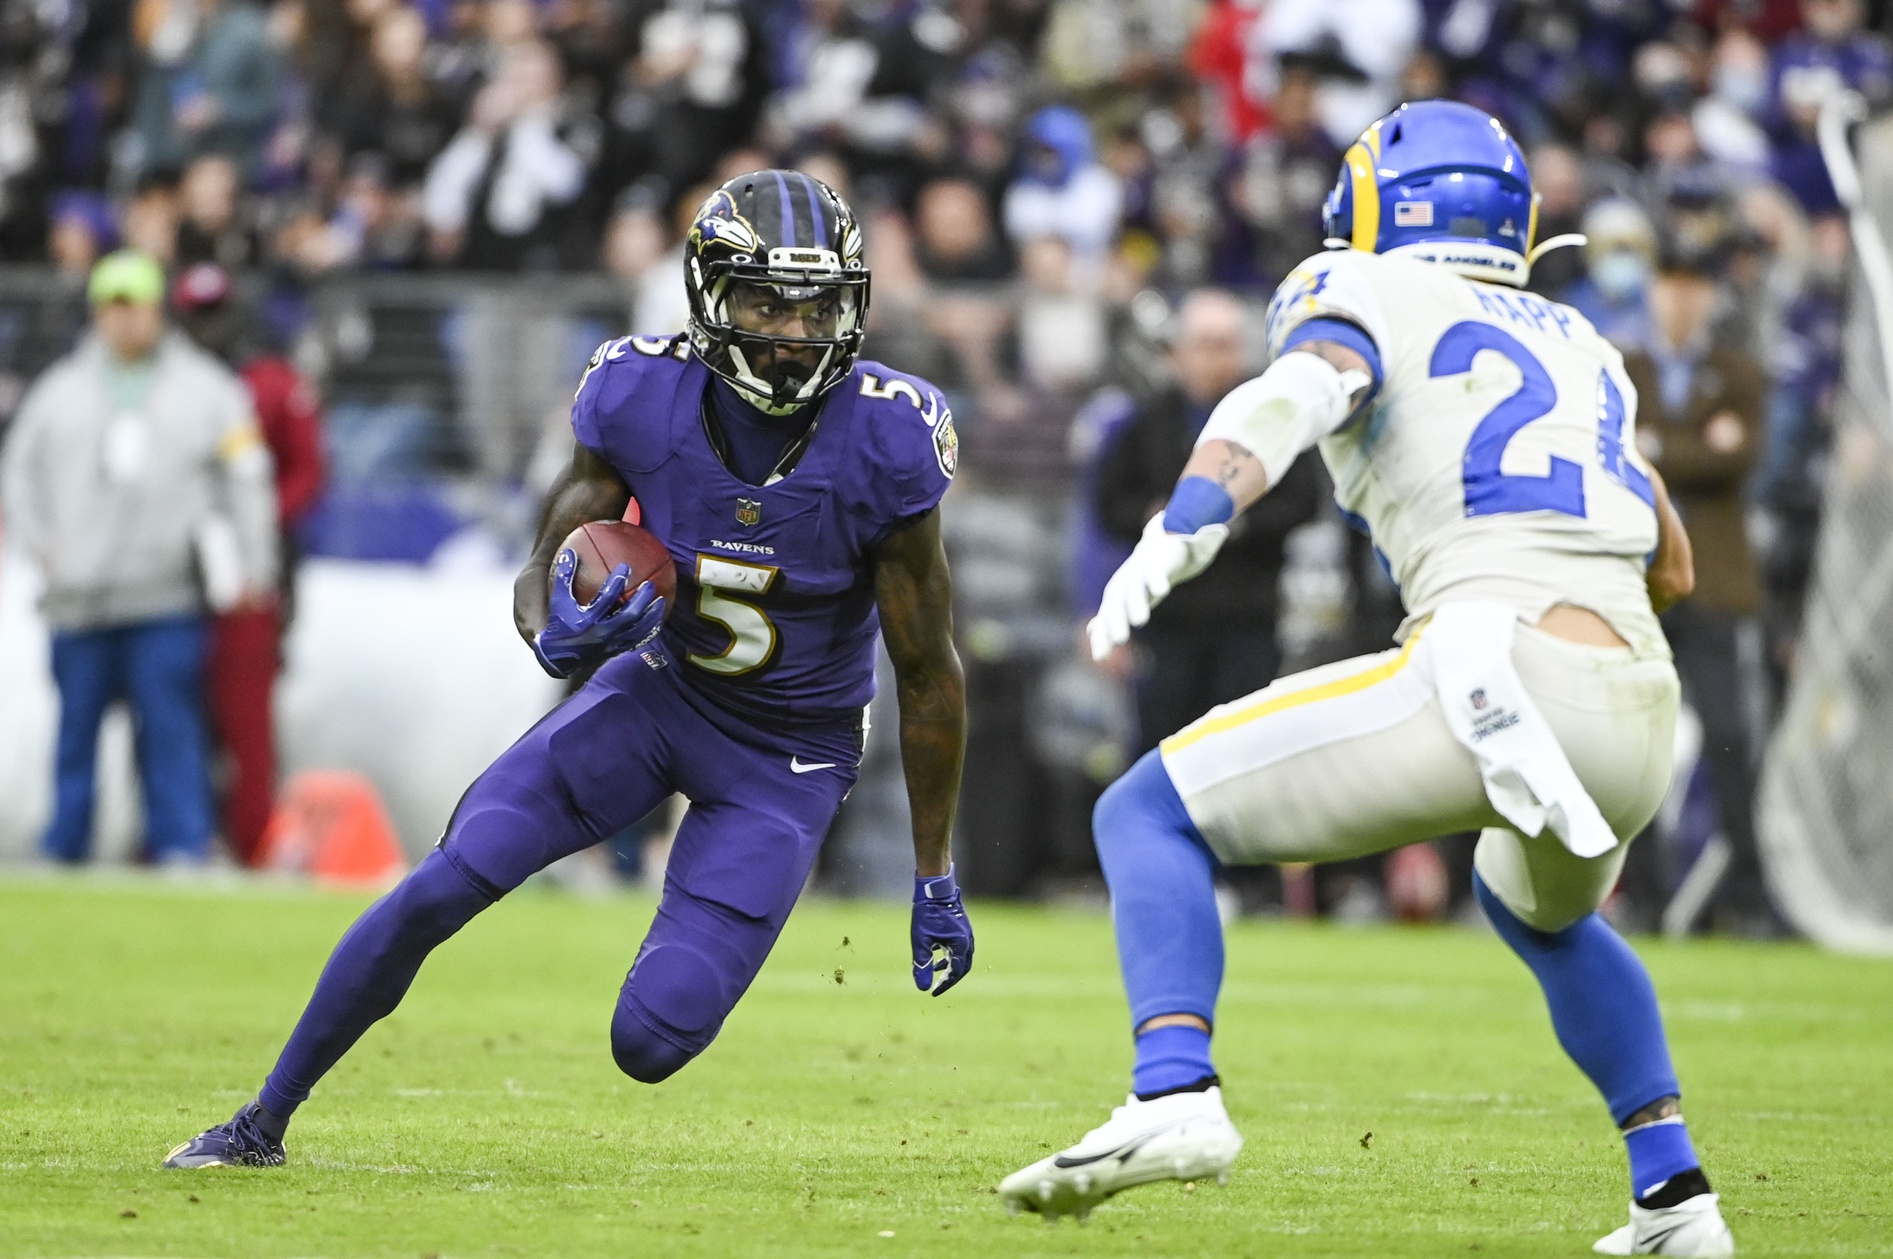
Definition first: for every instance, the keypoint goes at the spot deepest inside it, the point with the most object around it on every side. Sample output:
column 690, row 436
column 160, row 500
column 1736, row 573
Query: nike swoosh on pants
column 797, row 767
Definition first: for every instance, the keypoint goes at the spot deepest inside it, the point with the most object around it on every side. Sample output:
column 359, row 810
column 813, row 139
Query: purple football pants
column 760, row 804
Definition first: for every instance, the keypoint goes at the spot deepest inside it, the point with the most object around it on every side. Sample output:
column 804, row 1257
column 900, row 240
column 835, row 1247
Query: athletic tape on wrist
column 1196, row 502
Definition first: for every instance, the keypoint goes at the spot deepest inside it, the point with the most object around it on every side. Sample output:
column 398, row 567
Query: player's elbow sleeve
column 1300, row 399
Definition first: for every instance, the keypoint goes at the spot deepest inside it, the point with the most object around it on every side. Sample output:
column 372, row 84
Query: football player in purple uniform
column 797, row 489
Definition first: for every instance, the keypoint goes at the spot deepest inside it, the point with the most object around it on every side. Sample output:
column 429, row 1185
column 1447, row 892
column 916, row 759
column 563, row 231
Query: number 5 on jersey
column 720, row 586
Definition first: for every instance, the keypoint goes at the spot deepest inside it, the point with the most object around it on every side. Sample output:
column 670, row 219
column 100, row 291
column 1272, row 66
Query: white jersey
column 1498, row 459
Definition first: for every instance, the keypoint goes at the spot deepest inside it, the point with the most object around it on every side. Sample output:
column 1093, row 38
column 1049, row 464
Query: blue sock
column 1170, row 1058
column 1603, row 1008
column 1658, row 1151
column 369, row 972
column 1163, row 903
column 1197, row 501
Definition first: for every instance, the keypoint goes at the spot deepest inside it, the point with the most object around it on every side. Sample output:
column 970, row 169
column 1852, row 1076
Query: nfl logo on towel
column 1413, row 214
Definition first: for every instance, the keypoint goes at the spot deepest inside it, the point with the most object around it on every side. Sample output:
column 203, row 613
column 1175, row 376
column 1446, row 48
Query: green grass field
column 840, row 1106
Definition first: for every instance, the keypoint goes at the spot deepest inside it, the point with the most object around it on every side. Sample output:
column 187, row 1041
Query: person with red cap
column 245, row 641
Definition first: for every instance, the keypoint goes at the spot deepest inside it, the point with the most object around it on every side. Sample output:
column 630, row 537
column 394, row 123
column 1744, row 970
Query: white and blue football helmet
column 1445, row 183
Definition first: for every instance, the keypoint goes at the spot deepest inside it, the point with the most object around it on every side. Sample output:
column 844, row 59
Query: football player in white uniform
column 1484, row 437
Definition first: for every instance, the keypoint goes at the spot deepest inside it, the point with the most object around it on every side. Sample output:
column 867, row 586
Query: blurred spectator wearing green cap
column 135, row 477
column 126, row 276
column 127, row 295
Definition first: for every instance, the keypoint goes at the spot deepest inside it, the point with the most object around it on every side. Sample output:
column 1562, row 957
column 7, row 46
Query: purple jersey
column 775, row 617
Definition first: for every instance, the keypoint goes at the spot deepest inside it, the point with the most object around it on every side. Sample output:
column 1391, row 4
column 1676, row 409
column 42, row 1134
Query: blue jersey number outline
column 1610, row 442
column 1489, row 490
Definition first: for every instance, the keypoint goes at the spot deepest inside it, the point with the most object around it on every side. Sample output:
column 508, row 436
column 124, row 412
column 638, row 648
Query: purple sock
column 1658, row 1151
column 369, row 973
column 1170, row 1058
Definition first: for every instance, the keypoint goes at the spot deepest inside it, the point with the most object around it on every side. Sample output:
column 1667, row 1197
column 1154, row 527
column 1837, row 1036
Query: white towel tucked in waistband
column 1527, row 775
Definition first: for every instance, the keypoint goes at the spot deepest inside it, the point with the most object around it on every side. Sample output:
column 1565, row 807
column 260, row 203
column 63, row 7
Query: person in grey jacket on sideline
column 135, row 477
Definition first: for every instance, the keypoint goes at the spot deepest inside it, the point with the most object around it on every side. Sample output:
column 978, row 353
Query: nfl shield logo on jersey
column 748, row 512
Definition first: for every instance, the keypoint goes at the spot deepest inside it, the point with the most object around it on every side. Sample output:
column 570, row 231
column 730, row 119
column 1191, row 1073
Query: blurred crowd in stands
column 1166, row 142
column 1044, row 184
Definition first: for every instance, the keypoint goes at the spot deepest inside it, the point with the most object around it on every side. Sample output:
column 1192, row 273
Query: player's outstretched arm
column 1251, row 440
column 1268, row 426
column 1672, row 574
column 914, row 592
column 589, row 489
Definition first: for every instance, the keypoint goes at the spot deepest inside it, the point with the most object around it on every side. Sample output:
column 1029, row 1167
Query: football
column 602, row 545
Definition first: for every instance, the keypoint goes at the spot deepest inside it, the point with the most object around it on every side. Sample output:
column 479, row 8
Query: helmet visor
column 790, row 312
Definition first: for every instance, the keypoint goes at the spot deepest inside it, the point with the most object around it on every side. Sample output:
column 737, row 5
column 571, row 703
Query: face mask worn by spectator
column 1620, row 274
column 1621, row 248
column 778, row 289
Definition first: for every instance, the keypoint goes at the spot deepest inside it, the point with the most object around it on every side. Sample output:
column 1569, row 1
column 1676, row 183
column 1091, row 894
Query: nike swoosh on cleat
column 1659, row 1236
column 1121, row 1153
column 797, row 767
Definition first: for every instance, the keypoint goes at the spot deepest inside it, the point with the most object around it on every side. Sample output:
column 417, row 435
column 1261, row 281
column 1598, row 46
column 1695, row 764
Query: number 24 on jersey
column 1492, row 491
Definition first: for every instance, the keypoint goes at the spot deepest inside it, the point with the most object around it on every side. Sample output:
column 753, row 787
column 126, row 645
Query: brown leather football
column 602, row 545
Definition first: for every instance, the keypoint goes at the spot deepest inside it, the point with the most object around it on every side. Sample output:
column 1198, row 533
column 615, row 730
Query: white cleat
column 1184, row 1136
column 1692, row 1228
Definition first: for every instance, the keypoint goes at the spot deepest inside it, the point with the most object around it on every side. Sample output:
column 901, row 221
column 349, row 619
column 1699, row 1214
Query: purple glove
column 581, row 634
column 940, row 923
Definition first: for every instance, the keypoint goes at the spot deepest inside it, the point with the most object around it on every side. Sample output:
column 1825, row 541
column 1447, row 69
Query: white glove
column 1160, row 561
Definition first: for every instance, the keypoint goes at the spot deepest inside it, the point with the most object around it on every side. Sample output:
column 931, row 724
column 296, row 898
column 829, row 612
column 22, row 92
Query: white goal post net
column 1825, row 809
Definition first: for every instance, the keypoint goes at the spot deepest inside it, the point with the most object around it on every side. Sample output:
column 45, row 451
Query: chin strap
column 1556, row 242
